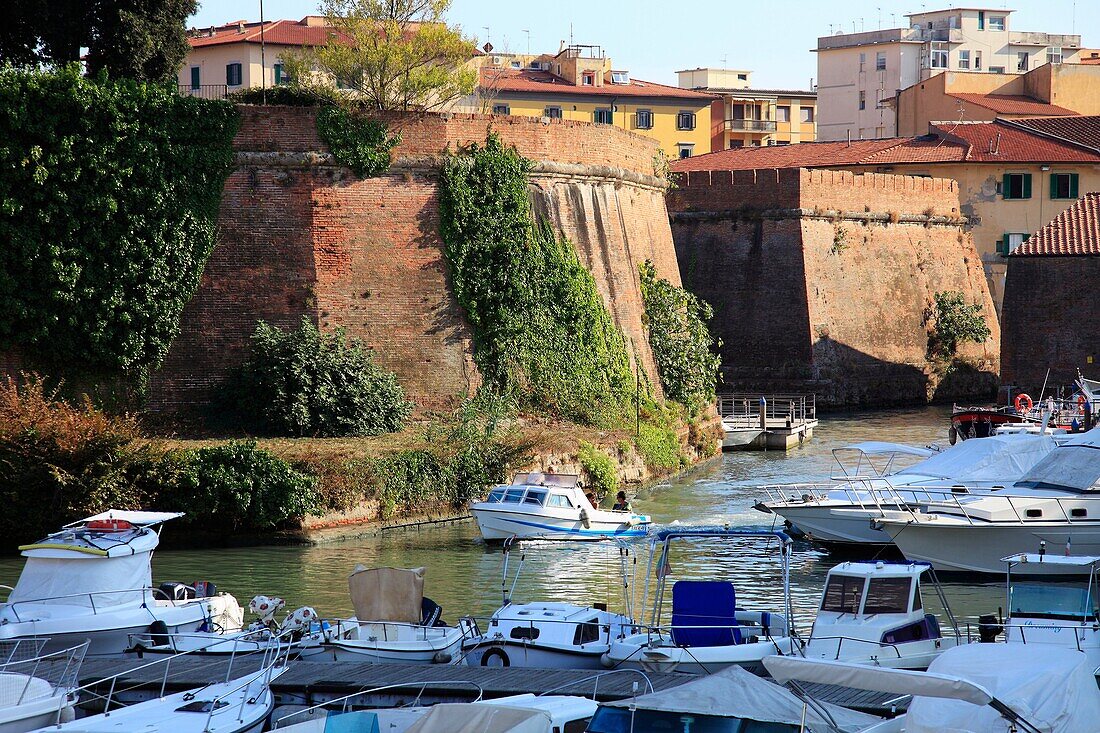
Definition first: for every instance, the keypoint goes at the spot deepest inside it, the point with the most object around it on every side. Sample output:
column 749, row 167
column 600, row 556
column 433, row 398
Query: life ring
column 1082, row 401
column 1023, row 399
column 494, row 653
column 108, row 525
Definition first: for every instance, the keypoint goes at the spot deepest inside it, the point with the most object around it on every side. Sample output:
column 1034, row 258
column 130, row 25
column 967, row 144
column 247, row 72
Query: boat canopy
column 692, row 530
column 1002, row 458
column 1081, row 561
column 882, row 568
column 538, row 478
column 136, row 518
column 1072, row 466
column 457, row 717
column 737, row 693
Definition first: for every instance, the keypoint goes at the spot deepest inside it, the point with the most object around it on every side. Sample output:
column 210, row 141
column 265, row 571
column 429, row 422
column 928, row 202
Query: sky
column 652, row 40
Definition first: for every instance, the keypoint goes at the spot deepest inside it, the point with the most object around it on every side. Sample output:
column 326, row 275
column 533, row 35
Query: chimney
column 240, row 26
column 212, row 32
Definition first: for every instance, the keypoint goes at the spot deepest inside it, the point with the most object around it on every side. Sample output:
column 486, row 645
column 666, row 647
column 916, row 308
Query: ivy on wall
column 542, row 335
column 359, row 142
column 109, row 191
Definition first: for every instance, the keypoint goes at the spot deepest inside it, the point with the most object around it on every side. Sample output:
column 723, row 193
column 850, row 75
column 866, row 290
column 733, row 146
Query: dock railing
column 779, row 410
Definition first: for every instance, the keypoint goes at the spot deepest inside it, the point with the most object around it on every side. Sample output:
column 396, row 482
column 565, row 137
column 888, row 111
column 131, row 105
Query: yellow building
column 754, row 117
column 580, row 83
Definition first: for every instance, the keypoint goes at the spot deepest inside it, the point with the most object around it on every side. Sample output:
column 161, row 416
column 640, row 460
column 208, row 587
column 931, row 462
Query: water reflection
column 464, row 575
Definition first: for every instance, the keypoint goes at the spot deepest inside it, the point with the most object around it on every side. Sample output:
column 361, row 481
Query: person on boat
column 621, row 503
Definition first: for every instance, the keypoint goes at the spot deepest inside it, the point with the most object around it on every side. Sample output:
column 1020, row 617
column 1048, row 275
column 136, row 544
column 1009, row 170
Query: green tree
column 957, row 322
column 392, row 54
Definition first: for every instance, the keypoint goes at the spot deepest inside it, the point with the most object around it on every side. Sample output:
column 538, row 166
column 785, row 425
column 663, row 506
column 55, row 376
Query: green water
column 464, row 574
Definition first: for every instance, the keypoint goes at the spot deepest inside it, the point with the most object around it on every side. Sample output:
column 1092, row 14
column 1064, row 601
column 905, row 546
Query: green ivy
column 602, row 476
column 359, row 142
column 542, row 335
column 109, row 193
column 956, row 322
column 659, row 446
column 682, row 344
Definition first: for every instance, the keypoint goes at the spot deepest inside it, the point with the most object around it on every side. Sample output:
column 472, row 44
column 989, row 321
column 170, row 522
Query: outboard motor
column 174, row 591
column 988, row 628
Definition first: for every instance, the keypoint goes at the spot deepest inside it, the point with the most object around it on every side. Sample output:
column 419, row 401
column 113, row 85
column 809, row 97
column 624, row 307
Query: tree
column 956, row 322
column 395, row 55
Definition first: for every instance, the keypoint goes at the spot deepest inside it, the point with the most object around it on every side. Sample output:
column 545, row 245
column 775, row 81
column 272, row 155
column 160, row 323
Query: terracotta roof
column 768, row 92
column 1076, row 231
column 1083, row 130
column 1012, row 104
column 887, row 151
column 543, row 82
column 1002, row 141
column 276, row 32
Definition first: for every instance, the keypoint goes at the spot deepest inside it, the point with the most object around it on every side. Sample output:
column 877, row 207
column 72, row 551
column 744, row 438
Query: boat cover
column 456, row 717
column 881, row 448
column 1002, row 458
column 136, row 518
column 1050, row 687
column 1074, row 466
column 387, row 594
column 737, row 693
column 66, row 581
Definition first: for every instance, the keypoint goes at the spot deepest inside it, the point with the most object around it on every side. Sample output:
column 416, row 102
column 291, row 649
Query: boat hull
column 833, row 525
column 395, row 644
column 662, row 656
column 497, row 524
column 506, row 654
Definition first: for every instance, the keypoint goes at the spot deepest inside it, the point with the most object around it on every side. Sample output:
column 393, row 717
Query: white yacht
column 36, row 689
column 873, row 613
column 840, row 512
column 92, row 581
column 709, row 631
column 550, row 506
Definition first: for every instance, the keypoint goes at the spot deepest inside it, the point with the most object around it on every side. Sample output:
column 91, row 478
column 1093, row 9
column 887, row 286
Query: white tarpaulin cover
column 736, row 693
column 1002, row 458
column 59, row 579
column 478, row 718
column 1050, row 687
column 1074, row 465
column 878, row 447
column 387, row 594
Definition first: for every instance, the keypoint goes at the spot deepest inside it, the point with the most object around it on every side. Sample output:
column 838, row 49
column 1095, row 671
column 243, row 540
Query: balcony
column 204, row 91
column 750, row 125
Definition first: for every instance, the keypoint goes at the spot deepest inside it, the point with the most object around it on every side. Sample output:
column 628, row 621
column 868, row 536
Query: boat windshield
column 496, row 496
column 1053, row 601
column 887, row 595
column 843, row 594
column 624, row 720
column 535, row 496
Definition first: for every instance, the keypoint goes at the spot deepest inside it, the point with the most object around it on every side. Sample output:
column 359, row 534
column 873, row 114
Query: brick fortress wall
column 301, row 236
column 821, row 281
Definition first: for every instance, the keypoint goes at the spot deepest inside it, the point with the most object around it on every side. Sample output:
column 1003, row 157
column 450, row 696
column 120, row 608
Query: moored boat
column 37, row 689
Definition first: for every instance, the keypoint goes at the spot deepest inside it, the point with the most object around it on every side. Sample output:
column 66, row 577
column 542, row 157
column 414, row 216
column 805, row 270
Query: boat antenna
column 1044, row 390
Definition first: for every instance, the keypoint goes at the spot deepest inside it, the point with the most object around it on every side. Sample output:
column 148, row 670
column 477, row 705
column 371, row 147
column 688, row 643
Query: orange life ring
column 108, row 525
column 1081, row 401
column 1024, row 399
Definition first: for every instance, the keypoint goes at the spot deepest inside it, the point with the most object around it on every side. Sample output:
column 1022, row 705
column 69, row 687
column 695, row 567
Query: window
column 887, row 595
column 977, row 60
column 643, row 119
column 863, row 100
column 807, row 114
column 280, row 77
column 603, row 116
column 880, row 61
column 535, row 496
column 996, row 22
column 939, row 56
column 496, row 495
column 524, row 632
column 1021, row 60
column 517, row 65
column 1054, row 55
column 686, row 149
column 783, row 114
column 1063, row 185
column 685, row 121
column 1052, row 601
column 588, row 79
column 513, row 496
column 560, row 501
column 233, row 74
column 996, row 69
column 981, row 20
column 587, row 632
column 1009, row 242
column 553, row 113
column 862, row 60
column 195, row 77
column 502, row 109
column 742, row 77
column 842, row 594
column 964, row 59
column 620, row 77
column 737, row 143
column 1016, row 186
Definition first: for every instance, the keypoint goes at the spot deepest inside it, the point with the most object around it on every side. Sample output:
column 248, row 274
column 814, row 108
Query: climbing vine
column 542, row 335
column 682, row 345
column 361, row 143
column 109, row 192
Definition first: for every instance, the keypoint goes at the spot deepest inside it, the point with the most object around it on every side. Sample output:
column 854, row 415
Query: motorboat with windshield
column 37, row 689
column 708, row 630
column 550, row 634
column 873, row 613
column 1055, row 504
column 93, row 581
column 550, row 506
column 841, row 511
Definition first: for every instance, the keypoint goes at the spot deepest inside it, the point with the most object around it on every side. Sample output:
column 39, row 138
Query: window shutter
column 1073, row 185
column 1027, row 186
column 1005, row 189
column 1054, row 185
column 1002, row 244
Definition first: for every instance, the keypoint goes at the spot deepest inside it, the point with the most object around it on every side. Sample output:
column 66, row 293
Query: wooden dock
column 766, row 421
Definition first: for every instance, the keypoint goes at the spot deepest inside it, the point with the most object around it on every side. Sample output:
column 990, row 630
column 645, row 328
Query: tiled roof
column 768, row 92
column 543, row 82
column 1002, row 141
column 1083, row 130
column 887, row 151
column 277, row 32
column 1076, row 231
column 1012, row 104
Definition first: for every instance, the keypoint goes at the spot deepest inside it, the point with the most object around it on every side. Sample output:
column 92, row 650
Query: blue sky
column 654, row 39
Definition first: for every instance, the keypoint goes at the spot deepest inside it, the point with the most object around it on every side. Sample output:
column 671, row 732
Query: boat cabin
column 558, row 491
column 550, row 623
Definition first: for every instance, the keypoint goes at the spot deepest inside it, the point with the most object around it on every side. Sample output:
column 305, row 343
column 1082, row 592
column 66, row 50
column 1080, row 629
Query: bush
column 603, row 478
column 308, row 383
column 956, row 322
column 360, row 143
column 285, row 95
column 659, row 447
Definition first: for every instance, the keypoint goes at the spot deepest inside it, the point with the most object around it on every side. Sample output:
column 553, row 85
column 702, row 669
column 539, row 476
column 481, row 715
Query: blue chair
column 703, row 603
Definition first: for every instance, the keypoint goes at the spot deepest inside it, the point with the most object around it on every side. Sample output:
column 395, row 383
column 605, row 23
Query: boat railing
column 953, row 505
column 1081, row 634
column 346, row 702
column 869, row 493
column 141, row 596
column 595, row 679
column 336, row 629
column 608, row 632
column 857, row 642
column 243, row 640
column 59, row 669
column 275, row 657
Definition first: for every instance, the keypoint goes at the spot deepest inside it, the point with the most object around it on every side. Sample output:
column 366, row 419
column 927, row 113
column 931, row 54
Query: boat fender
column 1023, row 402
column 496, row 653
column 68, row 714
column 441, row 658
column 158, row 633
column 585, row 520
column 953, row 435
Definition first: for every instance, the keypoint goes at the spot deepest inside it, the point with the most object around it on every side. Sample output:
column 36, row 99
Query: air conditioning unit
column 496, row 60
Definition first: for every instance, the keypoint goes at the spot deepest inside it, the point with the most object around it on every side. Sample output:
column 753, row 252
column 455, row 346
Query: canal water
column 464, row 574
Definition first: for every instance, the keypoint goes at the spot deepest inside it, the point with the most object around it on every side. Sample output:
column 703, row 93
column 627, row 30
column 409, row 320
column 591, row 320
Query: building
column 1049, row 319
column 752, row 117
column 1050, row 90
column 1013, row 175
column 859, row 72
column 581, row 83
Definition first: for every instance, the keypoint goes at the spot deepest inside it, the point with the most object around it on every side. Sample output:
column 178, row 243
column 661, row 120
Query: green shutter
column 1054, row 185
column 1002, row 244
column 1005, row 179
column 1073, row 185
column 1027, row 186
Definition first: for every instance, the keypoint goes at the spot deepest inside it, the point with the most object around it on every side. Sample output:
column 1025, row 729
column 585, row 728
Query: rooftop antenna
column 486, row 33
column 878, row 16
column 263, row 66
column 570, row 33
column 528, row 32
column 725, row 58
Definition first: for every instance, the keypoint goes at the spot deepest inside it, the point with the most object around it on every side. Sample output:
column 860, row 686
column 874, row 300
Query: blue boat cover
column 703, row 603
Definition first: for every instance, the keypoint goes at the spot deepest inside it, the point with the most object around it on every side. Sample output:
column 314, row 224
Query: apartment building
column 750, row 116
column 858, row 73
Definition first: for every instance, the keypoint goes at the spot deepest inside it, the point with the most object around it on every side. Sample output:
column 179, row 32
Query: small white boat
column 708, row 631
column 37, row 689
column 550, row 506
column 872, row 613
column 393, row 624
column 91, row 581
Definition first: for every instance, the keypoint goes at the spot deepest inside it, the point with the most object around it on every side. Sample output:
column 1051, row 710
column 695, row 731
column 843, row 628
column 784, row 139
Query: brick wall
column 820, row 280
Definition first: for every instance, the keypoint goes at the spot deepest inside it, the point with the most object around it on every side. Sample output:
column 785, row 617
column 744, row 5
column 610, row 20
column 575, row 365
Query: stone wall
column 301, row 236
column 822, row 280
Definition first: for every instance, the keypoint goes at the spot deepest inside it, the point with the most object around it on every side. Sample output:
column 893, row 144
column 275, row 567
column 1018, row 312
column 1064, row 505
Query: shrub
column 659, row 446
column 304, row 382
column 956, row 322
column 603, row 478
column 285, row 95
column 360, row 143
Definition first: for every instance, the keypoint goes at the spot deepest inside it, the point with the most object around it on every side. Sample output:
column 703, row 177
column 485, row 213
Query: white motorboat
column 549, row 634
column 708, row 630
column 840, row 512
column 91, row 581
column 550, row 506
column 393, row 624
column 872, row 613
column 977, row 688
column 37, row 689
column 1055, row 504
